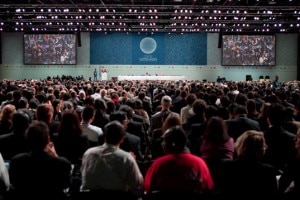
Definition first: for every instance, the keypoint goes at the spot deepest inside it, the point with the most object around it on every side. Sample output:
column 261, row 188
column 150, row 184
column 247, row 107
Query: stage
column 169, row 78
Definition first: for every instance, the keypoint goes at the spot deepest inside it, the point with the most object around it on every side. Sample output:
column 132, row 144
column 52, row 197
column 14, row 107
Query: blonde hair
column 7, row 112
column 251, row 145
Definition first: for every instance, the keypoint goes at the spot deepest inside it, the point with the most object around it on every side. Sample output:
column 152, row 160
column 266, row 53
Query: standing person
column 178, row 171
column 157, row 118
column 40, row 174
column 4, row 178
column 281, row 149
column 246, row 176
column 95, row 74
column 70, row 142
column 103, row 74
column 94, row 133
column 107, row 167
column 131, row 142
column 14, row 143
column 6, row 114
column 276, row 83
column 289, row 182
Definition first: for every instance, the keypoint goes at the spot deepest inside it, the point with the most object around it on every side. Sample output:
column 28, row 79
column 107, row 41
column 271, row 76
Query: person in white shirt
column 4, row 177
column 93, row 133
column 110, row 168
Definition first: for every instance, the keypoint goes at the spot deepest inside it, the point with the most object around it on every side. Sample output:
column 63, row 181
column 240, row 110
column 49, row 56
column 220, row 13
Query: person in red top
column 178, row 170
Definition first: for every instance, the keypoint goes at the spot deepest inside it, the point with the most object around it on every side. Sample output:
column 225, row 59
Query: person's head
column 166, row 102
column 251, row 145
column 128, row 110
column 67, row 105
column 199, row 107
column 138, row 104
column 100, row 105
column 216, row 130
column 114, row 132
column 240, row 110
column 172, row 119
column 88, row 114
column 276, row 114
column 111, row 107
column 119, row 116
column 17, row 94
column 44, row 112
column 174, row 140
column 191, row 98
column 7, row 112
column 20, row 121
column 69, row 125
column 210, row 111
column 37, row 135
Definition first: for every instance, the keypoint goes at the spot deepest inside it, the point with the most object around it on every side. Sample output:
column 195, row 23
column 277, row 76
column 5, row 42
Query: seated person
column 246, row 176
column 178, row 170
column 4, row 178
column 40, row 174
column 108, row 167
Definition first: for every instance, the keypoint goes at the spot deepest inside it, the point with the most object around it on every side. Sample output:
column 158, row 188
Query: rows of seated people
column 75, row 139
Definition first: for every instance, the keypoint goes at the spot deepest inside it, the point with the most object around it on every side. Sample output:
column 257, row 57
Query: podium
column 104, row 76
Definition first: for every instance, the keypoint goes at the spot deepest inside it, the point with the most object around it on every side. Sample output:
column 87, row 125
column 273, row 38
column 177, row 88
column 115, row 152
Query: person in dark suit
column 40, row 174
column 240, row 123
column 131, row 143
column 180, row 103
column 275, row 83
column 14, row 143
column 291, row 174
column 281, row 149
column 101, row 117
column 134, row 127
column 95, row 74
column 157, row 118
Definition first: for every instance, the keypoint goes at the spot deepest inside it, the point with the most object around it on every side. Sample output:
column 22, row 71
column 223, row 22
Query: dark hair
column 69, row 124
column 37, row 135
column 100, row 104
column 44, row 112
column 114, row 132
column 174, row 139
column 88, row 113
column 170, row 119
column 128, row 110
column 21, row 120
column 276, row 114
column 216, row 130
column 190, row 99
column 119, row 116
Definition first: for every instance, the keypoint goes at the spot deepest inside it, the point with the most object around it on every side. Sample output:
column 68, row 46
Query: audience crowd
column 64, row 136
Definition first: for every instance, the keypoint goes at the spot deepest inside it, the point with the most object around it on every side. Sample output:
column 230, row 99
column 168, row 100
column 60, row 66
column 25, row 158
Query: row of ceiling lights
column 154, row 18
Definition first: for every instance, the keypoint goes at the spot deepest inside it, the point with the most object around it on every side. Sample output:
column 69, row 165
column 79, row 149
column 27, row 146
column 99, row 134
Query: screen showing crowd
column 248, row 50
column 51, row 49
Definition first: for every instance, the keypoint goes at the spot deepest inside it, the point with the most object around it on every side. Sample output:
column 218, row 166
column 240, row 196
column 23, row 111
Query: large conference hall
column 181, row 37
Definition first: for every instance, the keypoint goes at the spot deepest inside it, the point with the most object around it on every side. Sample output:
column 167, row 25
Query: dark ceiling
column 162, row 2
column 265, row 16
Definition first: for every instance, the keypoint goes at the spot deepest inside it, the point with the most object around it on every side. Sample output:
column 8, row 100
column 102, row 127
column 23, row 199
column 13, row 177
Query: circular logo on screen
column 148, row 45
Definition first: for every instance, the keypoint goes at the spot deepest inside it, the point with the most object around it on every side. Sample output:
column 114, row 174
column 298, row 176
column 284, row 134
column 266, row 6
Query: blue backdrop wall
column 177, row 47
column 149, row 49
